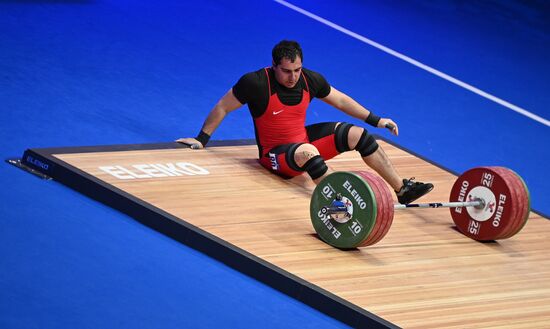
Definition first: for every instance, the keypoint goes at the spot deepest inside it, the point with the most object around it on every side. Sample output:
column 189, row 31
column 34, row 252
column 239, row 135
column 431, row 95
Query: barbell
column 355, row 209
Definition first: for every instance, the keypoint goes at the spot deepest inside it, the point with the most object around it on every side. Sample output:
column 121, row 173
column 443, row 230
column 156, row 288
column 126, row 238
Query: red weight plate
column 385, row 222
column 515, row 186
column 501, row 211
column 522, row 199
column 513, row 182
column 380, row 214
column 387, row 200
column 384, row 205
column 527, row 211
column 522, row 195
column 498, row 214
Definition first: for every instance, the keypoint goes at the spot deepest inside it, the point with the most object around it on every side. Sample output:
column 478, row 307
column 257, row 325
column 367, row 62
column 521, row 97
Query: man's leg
column 372, row 154
column 378, row 160
column 290, row 160
column 332, row 138
column 308, row 158
column 335, row 137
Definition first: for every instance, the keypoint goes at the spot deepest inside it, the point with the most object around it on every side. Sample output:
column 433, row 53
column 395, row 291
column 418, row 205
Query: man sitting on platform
column 278, row 98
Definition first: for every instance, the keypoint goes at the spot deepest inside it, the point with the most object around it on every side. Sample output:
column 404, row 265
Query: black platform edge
column 178, row 229
column 420, row 156
column 138, row 147
column 17, row 163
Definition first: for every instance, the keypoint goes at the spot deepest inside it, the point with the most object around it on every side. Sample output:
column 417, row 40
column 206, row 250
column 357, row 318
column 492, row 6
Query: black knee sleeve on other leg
column 366, row 145
column 315, row 167
column 341, row 137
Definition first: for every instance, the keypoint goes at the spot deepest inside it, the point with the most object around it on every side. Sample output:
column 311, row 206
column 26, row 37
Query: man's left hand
column 389, row 124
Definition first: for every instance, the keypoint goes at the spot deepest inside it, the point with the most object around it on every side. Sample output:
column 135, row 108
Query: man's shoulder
column 254, row 75
column 254, row 79
column 250, row 86
column 317, row 83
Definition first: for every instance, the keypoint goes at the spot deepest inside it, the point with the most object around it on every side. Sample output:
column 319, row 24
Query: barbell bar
column 335, row 209
column 355, row 209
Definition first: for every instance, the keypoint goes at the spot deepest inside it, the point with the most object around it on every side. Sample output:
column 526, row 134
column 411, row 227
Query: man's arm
column 226, row 104
column 349, row 106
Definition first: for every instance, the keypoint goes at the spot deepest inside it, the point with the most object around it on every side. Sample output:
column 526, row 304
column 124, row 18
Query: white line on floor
column 417, row 64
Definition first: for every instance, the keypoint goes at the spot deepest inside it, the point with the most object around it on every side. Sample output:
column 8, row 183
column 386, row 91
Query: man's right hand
column 192, row 142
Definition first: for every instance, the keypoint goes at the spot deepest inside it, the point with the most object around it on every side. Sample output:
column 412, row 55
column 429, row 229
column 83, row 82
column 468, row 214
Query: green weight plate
column 361, row 206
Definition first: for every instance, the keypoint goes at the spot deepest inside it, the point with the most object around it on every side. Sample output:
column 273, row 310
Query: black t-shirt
column 252, row 87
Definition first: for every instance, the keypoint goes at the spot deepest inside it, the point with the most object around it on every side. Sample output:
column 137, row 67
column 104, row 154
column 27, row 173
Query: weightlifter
column 278, row 98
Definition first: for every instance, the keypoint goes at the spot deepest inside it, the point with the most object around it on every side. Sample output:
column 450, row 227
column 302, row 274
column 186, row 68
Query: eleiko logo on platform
column 157, row 170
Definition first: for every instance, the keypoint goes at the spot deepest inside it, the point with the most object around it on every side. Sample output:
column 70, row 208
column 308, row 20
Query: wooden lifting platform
column 222, row 202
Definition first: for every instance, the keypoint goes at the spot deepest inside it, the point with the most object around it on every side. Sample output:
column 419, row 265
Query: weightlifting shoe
column 412, row 190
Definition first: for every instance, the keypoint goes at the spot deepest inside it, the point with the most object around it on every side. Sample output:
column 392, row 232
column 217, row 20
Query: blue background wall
column 75, row 73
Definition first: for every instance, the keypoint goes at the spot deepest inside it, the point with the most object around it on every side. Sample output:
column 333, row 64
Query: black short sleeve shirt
column 252, row 89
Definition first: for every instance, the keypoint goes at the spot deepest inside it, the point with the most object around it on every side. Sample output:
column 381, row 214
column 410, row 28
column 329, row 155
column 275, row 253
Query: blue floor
column 76, row 73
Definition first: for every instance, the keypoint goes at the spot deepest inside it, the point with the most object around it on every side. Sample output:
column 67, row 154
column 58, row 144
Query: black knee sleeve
column 366, row 145
column 290, row 157
column 341, row 137
column 315, row 167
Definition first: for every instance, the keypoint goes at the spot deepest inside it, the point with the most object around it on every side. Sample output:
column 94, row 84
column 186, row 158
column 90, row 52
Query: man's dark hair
column 286, row 49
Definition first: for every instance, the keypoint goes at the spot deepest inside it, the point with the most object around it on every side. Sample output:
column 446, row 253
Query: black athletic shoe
column 412, row 190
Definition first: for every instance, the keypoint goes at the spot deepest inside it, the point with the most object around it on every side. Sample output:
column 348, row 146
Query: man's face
column 288, row 73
